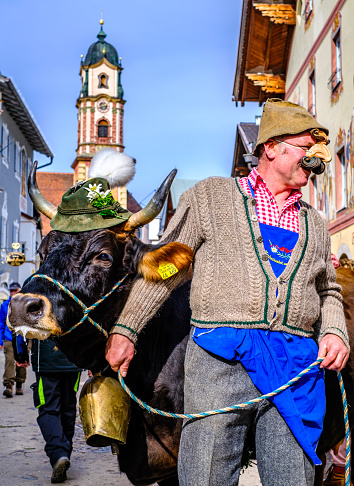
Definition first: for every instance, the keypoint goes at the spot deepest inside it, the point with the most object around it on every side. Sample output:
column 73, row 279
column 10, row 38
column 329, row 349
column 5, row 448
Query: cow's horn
column 153, row 208
column 39, row 201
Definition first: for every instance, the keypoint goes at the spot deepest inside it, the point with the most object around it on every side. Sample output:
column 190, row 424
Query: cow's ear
column 165, row 261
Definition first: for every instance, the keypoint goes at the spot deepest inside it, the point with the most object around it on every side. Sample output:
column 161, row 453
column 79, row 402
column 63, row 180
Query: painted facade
column 320, row 77
column 19, row 136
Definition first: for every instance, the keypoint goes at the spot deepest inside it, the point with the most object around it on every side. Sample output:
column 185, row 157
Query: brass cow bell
column 104, row 412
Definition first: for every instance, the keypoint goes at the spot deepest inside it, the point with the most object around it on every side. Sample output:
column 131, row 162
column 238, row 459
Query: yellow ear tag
column 166, row 270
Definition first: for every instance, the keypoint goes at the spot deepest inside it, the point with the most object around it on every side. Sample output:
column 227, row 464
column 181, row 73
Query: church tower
column 100, row 105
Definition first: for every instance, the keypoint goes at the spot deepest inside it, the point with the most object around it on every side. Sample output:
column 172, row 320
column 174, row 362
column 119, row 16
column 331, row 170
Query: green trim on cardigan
column 334, row 327
column 227, row 323
column 292, row 278
column 126, row 327
column 265, row 315
column 310, row 333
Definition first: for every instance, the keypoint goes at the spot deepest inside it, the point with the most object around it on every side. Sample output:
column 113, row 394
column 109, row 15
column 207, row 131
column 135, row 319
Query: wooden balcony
column 279, row 12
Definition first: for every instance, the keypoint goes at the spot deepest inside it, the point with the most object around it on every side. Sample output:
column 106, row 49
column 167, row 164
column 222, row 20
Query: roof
column 246, row 137
column 53, row 185
column 133, row 205
column 263, row 50
column 101, row 49
column 249, row 134
column 18, row 110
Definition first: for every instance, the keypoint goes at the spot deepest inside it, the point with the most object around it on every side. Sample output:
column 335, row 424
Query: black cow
column 80, row 262
column 89, row 264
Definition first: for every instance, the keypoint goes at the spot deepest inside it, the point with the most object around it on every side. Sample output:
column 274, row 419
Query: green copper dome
column 100, row 49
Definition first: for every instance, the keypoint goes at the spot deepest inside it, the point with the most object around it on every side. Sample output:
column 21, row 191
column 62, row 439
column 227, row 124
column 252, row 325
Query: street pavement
column 23, row 461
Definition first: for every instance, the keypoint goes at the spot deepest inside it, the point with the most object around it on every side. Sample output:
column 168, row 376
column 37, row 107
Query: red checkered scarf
column 267, row 208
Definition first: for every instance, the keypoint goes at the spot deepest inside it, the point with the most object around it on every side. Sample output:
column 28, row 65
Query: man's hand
column 1, row 346
column 335, row 352
column 119, row 353
column 23, row 365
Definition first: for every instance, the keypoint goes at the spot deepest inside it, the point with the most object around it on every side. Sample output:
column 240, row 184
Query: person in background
column 14, row 372
column 54, row 394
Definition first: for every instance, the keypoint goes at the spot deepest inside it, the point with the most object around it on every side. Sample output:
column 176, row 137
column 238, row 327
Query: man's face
column 14, row 291
column 286, row 162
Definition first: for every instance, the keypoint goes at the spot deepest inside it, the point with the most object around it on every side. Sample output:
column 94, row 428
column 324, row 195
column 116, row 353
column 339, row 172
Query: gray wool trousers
column 211, row 448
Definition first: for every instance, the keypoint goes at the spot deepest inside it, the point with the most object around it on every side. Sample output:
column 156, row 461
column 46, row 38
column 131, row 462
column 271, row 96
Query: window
column 8, row 152
column 15, row 232
column 312, row 93
column 103, row 81
column 5, row 145
column 103, row 129
column 338, row 62
column 15, row 156
column 341, row 180
column 23, row 172
column 308, row 9
column 2, row 140
column 335, row 82
column 4, row 233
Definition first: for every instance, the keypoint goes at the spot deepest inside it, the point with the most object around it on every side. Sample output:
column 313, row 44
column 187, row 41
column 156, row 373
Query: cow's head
column 89, row 264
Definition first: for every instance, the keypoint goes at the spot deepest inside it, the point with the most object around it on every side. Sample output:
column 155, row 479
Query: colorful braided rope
column 86, row 310
column 250, row 402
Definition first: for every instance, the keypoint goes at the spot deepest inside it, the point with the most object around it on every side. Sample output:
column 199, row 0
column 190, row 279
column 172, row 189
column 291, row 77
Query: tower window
column 103, row 81
column 103, row 128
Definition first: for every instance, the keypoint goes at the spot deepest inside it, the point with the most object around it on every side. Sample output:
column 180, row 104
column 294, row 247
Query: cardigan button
column 254, row 217
column 265, row 258
column 278, row 304
column 254, row 202
column 260, row 239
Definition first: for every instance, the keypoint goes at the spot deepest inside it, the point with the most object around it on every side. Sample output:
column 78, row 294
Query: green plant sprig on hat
column 101, row 199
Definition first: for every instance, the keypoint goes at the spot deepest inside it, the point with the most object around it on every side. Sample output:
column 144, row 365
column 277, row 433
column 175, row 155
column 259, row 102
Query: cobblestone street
column 23, row 461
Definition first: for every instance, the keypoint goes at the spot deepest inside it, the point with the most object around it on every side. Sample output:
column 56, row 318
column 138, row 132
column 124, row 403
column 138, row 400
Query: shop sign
column 15, row 258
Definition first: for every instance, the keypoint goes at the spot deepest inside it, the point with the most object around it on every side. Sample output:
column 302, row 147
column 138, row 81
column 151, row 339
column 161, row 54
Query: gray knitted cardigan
column 233, row 282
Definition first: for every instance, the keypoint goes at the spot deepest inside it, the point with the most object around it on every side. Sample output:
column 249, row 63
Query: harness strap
column 86, row 310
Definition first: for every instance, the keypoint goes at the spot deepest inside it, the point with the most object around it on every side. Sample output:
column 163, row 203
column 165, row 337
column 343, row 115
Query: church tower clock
column 100, row 104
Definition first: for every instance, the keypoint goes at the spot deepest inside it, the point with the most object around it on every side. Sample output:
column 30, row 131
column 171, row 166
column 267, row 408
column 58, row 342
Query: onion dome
column 100, row 49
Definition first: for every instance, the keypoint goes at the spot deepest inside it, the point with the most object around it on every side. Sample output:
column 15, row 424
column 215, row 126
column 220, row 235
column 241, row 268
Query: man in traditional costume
column 263, row 289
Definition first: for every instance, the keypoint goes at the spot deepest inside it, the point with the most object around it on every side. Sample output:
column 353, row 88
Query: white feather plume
column 117, row 167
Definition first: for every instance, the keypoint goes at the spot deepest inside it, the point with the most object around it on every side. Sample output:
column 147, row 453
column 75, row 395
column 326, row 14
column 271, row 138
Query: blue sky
column 179, row 63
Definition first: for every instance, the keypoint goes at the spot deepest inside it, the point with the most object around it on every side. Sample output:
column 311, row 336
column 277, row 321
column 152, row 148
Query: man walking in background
column 13, row 371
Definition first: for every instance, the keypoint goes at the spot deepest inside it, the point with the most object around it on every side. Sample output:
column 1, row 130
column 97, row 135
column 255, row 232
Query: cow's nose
column 34, row 308
column 26, row 308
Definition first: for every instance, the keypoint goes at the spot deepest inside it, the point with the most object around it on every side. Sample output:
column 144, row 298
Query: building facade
column 300, row 50
column 20, row 136
column 320, row 77
column 100, row 104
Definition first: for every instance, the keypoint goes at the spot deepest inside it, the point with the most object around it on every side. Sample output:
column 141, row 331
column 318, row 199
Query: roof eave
column 23, row 117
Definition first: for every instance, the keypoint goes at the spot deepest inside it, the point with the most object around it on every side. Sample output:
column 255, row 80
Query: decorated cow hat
column 281, row 117
column 90, row 204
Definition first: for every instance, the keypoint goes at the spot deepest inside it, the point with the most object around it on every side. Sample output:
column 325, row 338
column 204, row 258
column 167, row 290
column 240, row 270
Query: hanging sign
column 15, row 258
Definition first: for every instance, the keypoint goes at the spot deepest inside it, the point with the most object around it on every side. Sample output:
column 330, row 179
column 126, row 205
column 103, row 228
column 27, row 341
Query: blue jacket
column 5, row 333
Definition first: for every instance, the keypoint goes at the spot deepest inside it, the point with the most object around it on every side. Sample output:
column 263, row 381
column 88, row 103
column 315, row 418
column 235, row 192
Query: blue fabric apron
column 272, row 358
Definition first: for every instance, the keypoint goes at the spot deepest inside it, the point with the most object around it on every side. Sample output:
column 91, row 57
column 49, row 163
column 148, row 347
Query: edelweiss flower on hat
column 90, row 204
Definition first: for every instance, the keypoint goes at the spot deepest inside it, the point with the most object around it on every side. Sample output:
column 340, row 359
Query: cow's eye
column 104, row 257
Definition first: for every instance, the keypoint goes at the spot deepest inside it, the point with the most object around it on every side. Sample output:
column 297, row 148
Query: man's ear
column 165, row 261
column 269, row 149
